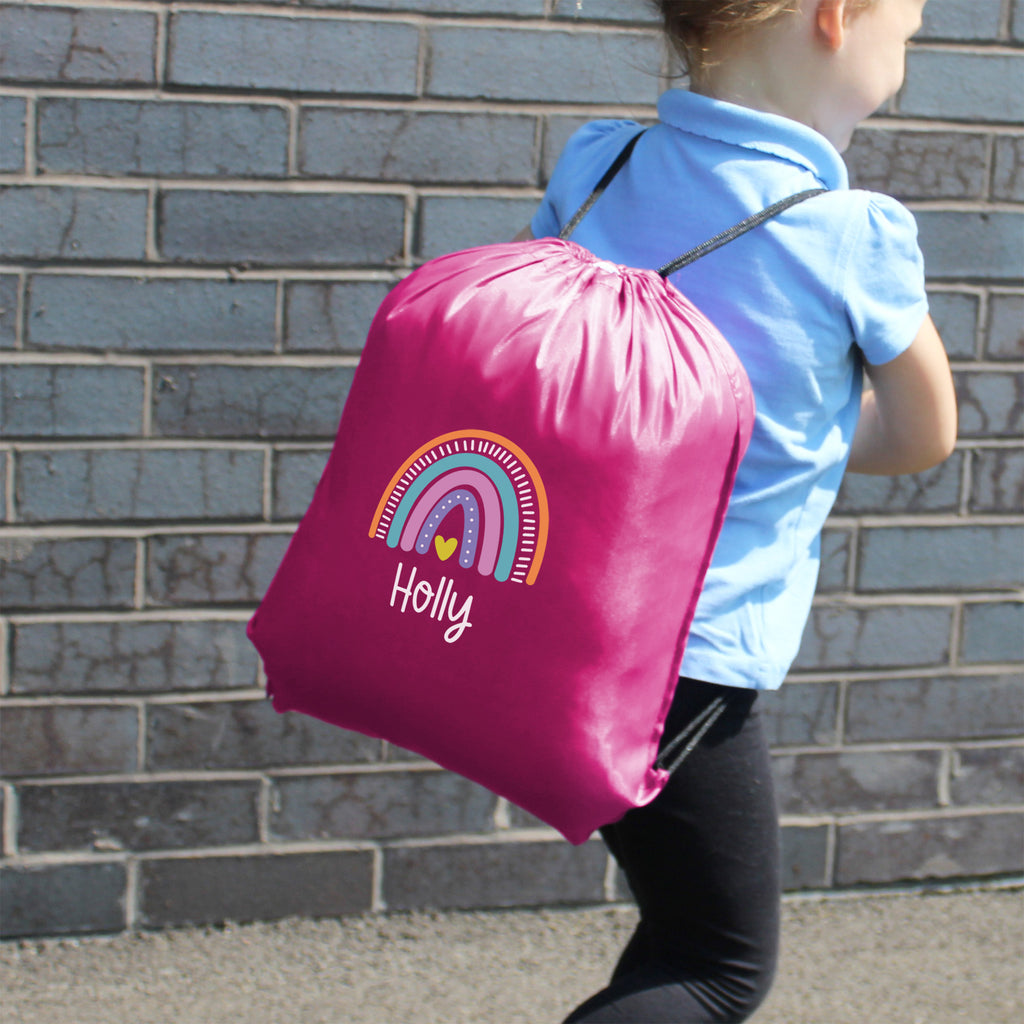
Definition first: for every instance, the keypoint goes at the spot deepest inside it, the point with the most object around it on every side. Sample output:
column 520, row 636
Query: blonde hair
column 693, row 25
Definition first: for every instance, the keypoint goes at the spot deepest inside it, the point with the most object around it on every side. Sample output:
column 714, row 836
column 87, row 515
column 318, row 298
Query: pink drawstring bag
column 502, row 559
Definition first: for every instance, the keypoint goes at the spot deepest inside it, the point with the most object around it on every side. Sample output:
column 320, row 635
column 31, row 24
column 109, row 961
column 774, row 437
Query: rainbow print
column 488, row 492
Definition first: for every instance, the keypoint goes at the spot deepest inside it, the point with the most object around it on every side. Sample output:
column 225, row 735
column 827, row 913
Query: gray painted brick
column 991, row 404
column 988, row 86
column 57, row 222
column 62, row 899
column 950, row 847
column 330, row 316
column 450, row 224
column 919, row 164
column 211, row 890
column 140, row 485
column 544, row 66
column 505, row 8
column 50, row 400
column 68, row 739
column 296, row 474
column 39, row 574
column 993, row 633
column 246, row 734
column 385, row 145
column 1018, row 20
column 212, row 568
column 968, row 245
column 840, row 636
column 301, row 55
column 3, row 486
column 856, row 781
column 1008, row 169
column 493, row 875
column 992, row 776
column 249, row 401
column 90, row 46
column 292, row 228
column 168, row 139
column 607, row 10
column 801, row 714
column 137, row 816
column 974, row 707
column 8, row 310
column 997, row 480
column 150, row 314
column 956, row 319
column 1005, row 336
column 558, row 129
column 130, row 657
column 517, row 817
column 961, row 19
column 934, row 490
column 12, row 133
column 835, row 560
column 379, row 805
column 941, row 558
column 804, row 857
column 237, row 135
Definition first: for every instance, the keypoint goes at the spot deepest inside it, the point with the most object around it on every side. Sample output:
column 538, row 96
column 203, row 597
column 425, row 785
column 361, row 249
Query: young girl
column 808, row 300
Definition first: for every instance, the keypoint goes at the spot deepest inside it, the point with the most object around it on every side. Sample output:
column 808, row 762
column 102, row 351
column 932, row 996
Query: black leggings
column 702, row 861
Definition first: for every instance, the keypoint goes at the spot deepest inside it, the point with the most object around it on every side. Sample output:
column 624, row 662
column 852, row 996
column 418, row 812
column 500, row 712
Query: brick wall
column 200, row 207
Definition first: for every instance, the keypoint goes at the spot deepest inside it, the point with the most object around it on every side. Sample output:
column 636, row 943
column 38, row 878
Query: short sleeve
column 586, row 156
column 884, row 290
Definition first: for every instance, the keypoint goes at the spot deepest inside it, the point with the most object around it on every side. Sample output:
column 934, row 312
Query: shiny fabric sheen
column 633, row 412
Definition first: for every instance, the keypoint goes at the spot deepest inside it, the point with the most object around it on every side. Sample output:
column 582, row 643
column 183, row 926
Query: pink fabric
column 501, row 561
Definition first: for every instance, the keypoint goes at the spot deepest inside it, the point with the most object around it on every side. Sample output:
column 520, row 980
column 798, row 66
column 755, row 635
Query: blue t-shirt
column 802, row 299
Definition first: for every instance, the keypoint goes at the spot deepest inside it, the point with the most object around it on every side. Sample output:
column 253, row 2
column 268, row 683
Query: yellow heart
column 445, row 548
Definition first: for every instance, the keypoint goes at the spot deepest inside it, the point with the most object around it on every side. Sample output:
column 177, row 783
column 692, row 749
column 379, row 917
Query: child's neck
column 750, row 86
column 775, row 68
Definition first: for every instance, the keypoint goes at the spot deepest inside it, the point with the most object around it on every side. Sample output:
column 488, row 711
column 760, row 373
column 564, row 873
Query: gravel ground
column 920, row 959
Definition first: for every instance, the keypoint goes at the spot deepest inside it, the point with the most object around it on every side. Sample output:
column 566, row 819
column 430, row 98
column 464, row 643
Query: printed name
column 440, row 601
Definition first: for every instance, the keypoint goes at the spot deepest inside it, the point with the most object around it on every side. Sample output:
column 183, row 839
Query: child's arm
column 908, row 417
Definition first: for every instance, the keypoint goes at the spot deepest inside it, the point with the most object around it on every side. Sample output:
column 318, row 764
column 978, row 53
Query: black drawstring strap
column 705, row 247
column 736, row 230
column 690, row 735
column 600, row 187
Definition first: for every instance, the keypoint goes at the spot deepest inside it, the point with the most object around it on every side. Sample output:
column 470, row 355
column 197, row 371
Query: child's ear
column 830, row 23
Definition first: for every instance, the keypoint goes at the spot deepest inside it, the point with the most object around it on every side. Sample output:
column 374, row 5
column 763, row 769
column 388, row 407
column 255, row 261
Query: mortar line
column 152, row 228
column 268, row 483
column 141, row 751
column 831, row 853
column 1006, row 21
column 293, row 108
column 610, row 876
column 161, row 47
column 378, row 903
column 20, row 310
column 944, row 781
column 280, row 325
column 956, row 635
column 30, row 166
column 5, row 654
column 131, row 893
column 10, row 820
column 10, row 515
column 264, row 797
column 139, row 593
